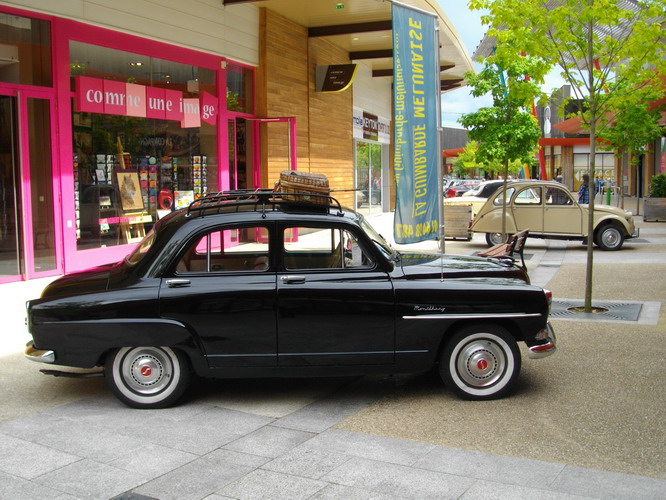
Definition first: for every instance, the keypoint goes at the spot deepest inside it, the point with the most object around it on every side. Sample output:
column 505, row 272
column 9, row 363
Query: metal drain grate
column 616, row 311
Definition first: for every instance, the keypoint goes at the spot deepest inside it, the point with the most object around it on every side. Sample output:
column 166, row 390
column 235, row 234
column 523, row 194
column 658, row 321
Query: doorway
column 256, row 142
column 368, row 173
column 29, row 242
column 240, row 154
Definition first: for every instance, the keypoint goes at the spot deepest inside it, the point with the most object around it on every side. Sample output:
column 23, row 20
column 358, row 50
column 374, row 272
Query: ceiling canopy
column 363, row 28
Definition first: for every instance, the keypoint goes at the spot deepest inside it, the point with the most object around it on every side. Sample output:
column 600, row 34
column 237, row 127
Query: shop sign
column 371, row 127
column 94, row 95
column 335, row 78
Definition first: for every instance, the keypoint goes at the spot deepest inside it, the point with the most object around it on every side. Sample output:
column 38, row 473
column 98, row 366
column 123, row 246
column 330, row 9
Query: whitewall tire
column 147, row 377
column 480, row 362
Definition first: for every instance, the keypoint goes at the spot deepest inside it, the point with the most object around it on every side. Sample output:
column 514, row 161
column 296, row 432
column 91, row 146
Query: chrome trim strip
column 475, row 316
column 38, row 355
column 353, row 353
column 423, row 351
column 241, row 355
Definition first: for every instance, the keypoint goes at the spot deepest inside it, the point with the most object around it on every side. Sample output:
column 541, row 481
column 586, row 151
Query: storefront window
column 368, row 177
column 240, row 89
column 25, row 50
column 604, row 167
column 130, row 170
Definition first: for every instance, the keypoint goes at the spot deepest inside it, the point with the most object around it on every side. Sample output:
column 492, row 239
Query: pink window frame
column 22, row 93
column 66, row 31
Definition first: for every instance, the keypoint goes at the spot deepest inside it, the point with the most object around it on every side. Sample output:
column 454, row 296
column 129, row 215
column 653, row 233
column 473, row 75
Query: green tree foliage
column 633, row 126
column 609, row 51
column 506, row 132
column 467, row 164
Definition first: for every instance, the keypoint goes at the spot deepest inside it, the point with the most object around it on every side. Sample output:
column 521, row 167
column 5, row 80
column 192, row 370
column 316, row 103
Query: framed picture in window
column 130, row 191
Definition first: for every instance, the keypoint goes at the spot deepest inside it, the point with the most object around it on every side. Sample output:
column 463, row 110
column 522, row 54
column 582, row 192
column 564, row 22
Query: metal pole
column 440, row 170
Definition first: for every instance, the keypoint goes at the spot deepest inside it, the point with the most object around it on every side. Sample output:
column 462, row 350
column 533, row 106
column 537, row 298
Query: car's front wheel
column 496, row 238
column 480, row 362
column 609, row 237
column 147, row 377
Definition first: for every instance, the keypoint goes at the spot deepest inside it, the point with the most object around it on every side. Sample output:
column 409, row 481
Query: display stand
column 132, row 229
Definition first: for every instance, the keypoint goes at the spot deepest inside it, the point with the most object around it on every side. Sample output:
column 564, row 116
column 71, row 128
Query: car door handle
column 291, row 279
column 177, row 283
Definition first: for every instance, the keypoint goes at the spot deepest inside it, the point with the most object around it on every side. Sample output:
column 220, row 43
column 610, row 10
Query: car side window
column 557, row 196
column 322, row 248
column 234, row 249
column 498, row 201
column 528, row 196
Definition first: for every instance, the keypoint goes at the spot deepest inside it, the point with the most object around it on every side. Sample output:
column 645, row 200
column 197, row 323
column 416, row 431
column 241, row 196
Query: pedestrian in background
column 584, row 191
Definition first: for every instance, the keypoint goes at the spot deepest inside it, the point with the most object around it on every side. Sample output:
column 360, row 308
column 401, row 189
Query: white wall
column 204, row 25
column 372, row 94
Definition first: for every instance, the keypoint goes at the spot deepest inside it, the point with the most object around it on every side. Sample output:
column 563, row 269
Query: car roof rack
column 263, row 199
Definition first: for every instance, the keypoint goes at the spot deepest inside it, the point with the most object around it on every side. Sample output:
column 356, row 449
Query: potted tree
column 655, row 203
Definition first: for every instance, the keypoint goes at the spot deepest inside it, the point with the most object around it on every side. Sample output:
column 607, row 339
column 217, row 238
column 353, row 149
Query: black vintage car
column 263, row 285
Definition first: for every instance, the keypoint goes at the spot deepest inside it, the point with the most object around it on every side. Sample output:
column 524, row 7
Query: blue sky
column 468, row 24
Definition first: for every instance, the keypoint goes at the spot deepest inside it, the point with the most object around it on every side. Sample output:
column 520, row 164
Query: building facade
column 114, row 112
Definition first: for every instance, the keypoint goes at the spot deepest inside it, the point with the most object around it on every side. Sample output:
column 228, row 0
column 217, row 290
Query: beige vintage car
column 475, row 197
column 548, row 209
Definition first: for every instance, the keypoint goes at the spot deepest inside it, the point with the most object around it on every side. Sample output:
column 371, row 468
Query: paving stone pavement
column 223, row 443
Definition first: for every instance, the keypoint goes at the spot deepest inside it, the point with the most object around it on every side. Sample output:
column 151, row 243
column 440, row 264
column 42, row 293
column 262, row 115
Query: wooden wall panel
column 331, row 135
column 283, row 80
column 286, row 87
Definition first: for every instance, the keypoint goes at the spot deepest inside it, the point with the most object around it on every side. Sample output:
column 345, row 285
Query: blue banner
column 415, row 141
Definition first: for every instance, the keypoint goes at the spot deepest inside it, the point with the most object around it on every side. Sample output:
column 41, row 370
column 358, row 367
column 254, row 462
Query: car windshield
column 141, row 249
column 379, row 241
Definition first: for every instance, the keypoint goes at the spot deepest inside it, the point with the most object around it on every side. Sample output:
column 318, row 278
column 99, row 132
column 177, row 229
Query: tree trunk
column 593, row 100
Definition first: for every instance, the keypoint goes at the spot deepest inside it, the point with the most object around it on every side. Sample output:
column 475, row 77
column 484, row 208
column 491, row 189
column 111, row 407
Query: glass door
column 11, row 234
column 29, row 242
column 368, row 177
column 240, row 154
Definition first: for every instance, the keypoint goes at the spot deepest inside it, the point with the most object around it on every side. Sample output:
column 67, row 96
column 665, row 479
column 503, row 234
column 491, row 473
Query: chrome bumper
column 636, row 233
column 38, row 355
column 546, row 349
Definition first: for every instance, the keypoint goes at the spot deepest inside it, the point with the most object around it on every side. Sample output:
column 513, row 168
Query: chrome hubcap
column 481, row 363
column 610, row 238
column 147, row 370
column 497, row 238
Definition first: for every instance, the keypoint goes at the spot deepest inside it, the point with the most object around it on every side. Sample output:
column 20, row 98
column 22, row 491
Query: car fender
column 611, row 219
column 491, row 221
column 88, row 341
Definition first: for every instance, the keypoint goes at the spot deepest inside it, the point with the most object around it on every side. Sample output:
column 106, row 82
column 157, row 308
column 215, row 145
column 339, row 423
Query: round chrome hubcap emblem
column 146, row 370
column 481, row 363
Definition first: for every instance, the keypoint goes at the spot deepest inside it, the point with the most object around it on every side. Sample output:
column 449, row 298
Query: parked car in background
column 459, row 188
column 476, row 196
column 262, row 284
column 549, row 210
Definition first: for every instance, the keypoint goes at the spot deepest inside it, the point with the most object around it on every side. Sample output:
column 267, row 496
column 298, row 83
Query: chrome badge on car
column 433, row 309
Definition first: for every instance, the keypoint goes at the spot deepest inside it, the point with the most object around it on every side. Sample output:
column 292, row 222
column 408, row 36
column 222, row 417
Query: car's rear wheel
column 609, row 237
column 496, row 238
column 147, row 377
column 480, row 362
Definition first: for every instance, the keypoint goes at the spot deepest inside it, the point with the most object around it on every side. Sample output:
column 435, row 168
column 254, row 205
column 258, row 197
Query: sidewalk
column 584, row 423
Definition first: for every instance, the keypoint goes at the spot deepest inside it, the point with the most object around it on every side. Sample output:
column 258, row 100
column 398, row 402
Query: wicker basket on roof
column 304, row 183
